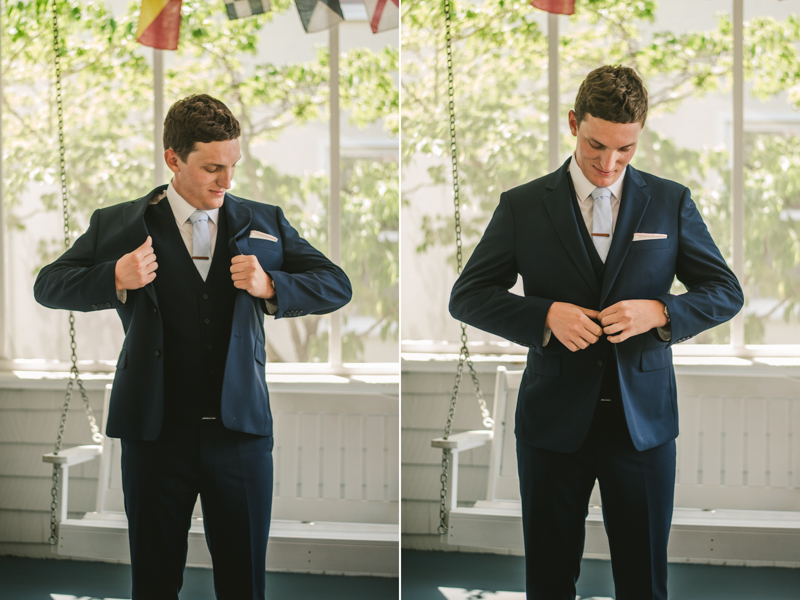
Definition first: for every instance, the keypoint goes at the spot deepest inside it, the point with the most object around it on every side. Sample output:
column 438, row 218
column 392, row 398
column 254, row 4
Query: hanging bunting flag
column 560, row 7
column 383, row 14
column 238, row 9
column 159, row 24
column 317, row 15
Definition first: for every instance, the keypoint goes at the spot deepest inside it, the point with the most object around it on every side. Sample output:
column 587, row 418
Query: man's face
column 603, row 148
column 207, row 173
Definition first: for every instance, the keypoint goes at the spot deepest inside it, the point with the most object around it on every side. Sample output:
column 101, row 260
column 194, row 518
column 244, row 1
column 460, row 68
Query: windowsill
column 296, row 383
column 790, row 352
column 438, row 362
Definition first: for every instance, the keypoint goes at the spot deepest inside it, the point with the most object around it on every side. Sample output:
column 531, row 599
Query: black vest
column 610, row 386
column 196, row 317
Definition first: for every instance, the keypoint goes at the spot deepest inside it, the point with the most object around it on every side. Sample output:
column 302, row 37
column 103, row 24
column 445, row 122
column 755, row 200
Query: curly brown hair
column 612, row 93
column 198, row 118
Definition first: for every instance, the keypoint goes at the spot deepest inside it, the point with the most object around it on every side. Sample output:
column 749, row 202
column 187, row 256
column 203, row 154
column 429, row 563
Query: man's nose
column 608, row 160
column 224, row 179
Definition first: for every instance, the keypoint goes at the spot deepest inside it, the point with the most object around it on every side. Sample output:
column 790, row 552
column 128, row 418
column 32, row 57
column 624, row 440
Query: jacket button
column 158, row 353
column 205, row 296
column 206, row 321
column 208, row 346
column 599, row 363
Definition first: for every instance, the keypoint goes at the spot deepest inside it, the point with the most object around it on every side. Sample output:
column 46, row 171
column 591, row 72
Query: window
column 272, row 75
column 701, row 103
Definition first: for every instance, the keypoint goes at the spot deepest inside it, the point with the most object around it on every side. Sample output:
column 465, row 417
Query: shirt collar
column 584, row 187
column 182, row 209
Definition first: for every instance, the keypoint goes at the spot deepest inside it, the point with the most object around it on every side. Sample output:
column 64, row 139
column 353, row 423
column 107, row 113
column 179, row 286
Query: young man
column 598, row 245
column 192, row 271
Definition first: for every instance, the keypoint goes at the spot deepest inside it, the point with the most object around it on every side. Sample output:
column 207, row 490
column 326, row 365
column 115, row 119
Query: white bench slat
column 74, row 456
column 308, row 455
column 351, row 441
column 733, row 419
column 464, row 441
column 374, row 467
column 332, row 456
column 296, row 547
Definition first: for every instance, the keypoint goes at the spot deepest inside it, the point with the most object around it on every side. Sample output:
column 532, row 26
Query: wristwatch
column 666, row 313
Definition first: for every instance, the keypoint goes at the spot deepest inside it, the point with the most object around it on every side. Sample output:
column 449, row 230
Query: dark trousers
column 232, row 472
column 637, row 490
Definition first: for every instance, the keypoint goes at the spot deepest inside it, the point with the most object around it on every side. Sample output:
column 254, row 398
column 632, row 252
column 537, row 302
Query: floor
column 35, row 579
column 463, row 576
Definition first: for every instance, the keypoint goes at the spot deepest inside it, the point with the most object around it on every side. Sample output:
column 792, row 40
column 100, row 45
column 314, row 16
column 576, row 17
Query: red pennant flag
column 559, row 7
column 159, row 24
column 383, row 14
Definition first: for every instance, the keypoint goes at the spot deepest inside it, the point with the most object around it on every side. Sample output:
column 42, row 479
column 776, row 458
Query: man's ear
column 573, row 123
column 172, row 160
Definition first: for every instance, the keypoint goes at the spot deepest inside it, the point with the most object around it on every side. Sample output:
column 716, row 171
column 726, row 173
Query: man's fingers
column 616, row 339
column 592, row 314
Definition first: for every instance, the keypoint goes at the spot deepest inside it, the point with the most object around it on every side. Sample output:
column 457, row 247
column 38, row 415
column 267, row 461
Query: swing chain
column 74, row 375
column 464, row 355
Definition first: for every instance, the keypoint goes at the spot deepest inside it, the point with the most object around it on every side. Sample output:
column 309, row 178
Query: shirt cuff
column 122, row 296
column 665, row 333
column 272, row 307
column 547, row 334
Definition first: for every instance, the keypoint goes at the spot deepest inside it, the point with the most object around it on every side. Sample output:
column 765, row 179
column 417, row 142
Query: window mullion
column 334, row 200
column 553, row 146
column 158, row 116
column 737, row 171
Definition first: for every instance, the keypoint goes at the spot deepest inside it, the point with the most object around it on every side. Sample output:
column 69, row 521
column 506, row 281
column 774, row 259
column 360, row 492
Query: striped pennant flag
column 238, row 9
column 559, row 7
column 383, row 14
column 317, row 15
column 160, row 24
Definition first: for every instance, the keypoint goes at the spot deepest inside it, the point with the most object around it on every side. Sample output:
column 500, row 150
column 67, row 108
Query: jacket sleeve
column 75, row 281
column 713, row 295
column 307, row 282
column 481, row 296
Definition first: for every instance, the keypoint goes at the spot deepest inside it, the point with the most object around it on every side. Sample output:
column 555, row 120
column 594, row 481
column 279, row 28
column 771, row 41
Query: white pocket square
column 263, row 236
column 639, row 237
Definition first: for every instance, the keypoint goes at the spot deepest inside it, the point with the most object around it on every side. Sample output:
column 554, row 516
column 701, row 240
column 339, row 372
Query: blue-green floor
column 450, row 575
column 33, row 579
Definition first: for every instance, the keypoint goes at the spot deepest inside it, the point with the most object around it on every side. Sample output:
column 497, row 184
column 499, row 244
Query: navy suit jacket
column 534, row 233
column 82, row 279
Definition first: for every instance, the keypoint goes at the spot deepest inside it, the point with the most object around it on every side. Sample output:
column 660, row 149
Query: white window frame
column 737, row 348
column 333, row 370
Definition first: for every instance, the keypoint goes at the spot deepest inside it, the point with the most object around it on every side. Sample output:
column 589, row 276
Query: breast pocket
column 649, row 244
column 268, row 253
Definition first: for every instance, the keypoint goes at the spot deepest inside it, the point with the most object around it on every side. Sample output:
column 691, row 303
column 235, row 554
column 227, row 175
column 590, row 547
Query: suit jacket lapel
column 632, row 205
column 239, row 217
column 559, row 205
column 136, row 230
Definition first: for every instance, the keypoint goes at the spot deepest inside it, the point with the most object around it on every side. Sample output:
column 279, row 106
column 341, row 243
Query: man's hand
column 573, row 325
column 631, row 317
column 136, row 269
column 248, row 275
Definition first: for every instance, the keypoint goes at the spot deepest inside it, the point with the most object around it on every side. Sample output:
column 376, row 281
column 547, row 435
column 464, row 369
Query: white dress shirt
column 182, row 210
column 583, row 191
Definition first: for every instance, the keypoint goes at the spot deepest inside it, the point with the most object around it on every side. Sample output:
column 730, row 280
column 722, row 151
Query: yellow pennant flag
column 159, row 24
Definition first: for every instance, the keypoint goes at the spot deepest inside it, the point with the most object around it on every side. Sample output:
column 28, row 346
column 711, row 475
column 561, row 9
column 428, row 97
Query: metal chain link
column 74, row 375
column 464, row 355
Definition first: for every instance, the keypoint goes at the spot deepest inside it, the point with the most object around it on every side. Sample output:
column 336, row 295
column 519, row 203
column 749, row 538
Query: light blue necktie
column 601, row 221
column 201, row 242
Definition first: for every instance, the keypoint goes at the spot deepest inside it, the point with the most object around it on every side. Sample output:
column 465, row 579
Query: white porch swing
column 327, row 519
column 730, row 522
